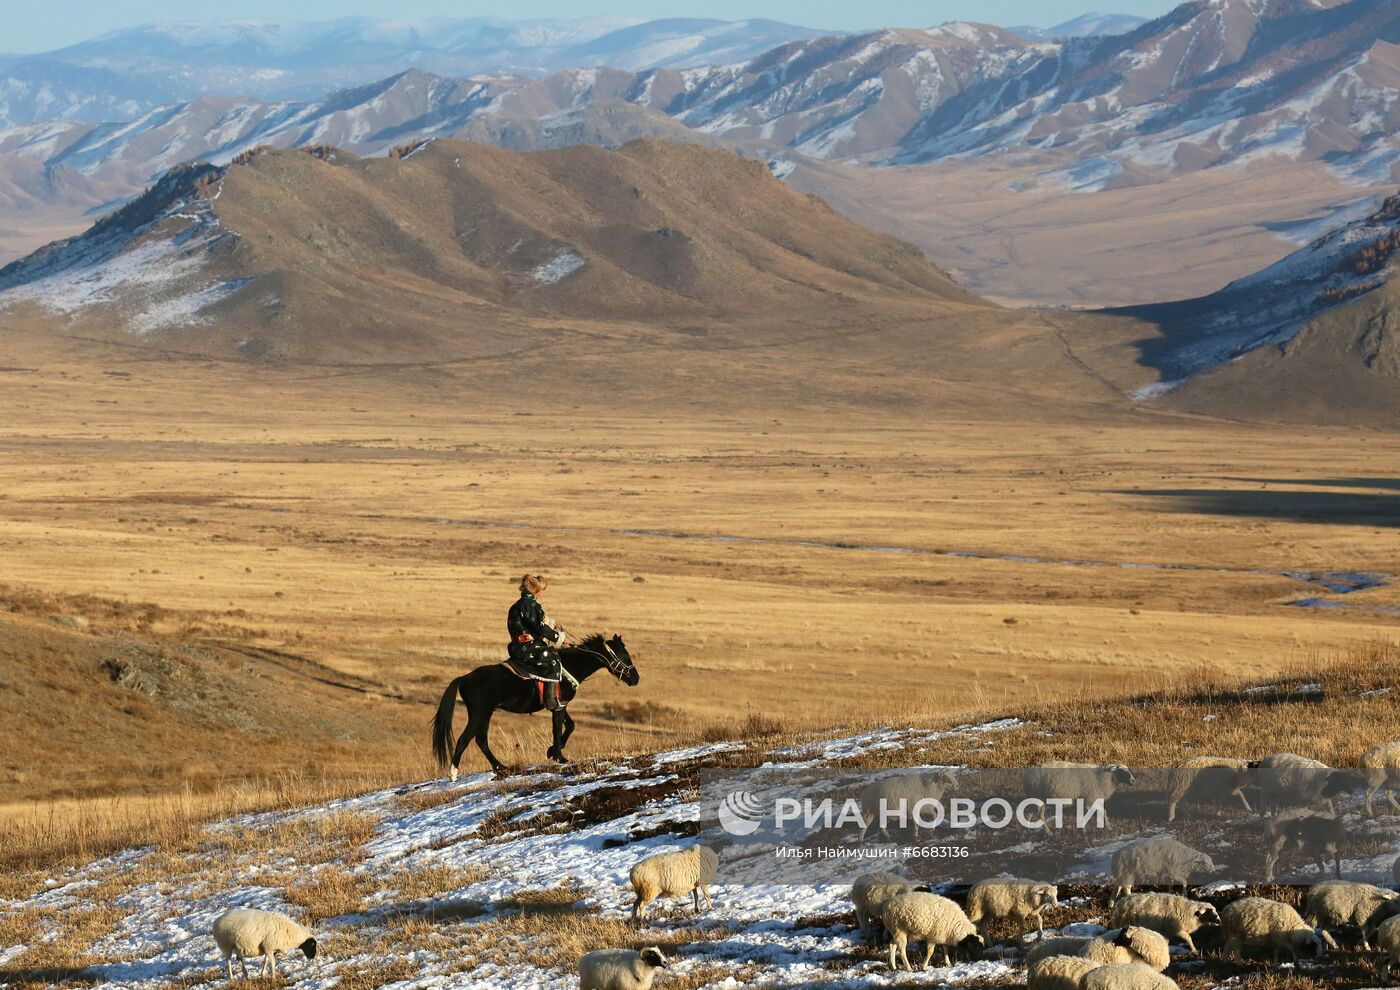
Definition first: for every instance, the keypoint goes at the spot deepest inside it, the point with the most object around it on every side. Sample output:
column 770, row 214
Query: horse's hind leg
column 483, row 727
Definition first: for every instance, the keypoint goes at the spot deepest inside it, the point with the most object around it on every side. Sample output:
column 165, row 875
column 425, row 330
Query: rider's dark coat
column 531, row 639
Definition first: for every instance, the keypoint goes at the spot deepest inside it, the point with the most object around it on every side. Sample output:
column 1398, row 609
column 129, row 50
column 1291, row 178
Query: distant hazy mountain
column 1083, row 26
column 122, row 74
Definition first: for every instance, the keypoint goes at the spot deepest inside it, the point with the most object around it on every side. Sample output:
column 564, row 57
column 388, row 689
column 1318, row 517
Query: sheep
column 1059, row 945
column 1259, row 923
column 620, row 969
column 1208, row 778
column 1334, row 903
column 245, row 932
column 1126, row 976
column 1170, row 915
column 1087, row 782
column 1059, row 972
column 1388, row 938
column 900, row 793
column 931, row 919
column 1313, row 835
column 674, row 874
column 1007, row 897
column 1133, row 944
column 1287, row 780
column 1381, row 768
column 1158, row 860
column 870, row 892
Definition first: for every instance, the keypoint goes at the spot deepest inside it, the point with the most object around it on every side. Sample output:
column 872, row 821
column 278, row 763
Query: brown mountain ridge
column 653, row 268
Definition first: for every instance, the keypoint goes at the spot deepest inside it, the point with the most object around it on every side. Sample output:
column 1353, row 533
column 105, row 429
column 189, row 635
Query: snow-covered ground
column 529, row 833
column 502, row 883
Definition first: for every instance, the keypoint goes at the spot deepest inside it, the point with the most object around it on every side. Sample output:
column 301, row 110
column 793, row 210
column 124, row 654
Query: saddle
column 525, row 672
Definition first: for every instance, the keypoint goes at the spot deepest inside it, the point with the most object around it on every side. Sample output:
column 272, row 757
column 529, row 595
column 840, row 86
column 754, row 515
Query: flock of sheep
column 1131, row 955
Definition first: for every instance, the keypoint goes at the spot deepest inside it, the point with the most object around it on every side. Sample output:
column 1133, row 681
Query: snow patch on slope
column 564, row 264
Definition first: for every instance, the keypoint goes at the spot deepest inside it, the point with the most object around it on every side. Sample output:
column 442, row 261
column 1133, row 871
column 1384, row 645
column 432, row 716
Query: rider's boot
column 551, row 697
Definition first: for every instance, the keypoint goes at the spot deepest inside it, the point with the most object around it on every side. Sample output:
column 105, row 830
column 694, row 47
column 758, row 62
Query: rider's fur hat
column 533, row 584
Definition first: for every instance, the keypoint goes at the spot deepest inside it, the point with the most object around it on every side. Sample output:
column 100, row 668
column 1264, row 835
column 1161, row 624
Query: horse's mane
column 591, row 642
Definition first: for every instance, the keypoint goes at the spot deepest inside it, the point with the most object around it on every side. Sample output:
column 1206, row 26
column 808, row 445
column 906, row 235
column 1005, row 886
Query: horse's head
column 624, row 669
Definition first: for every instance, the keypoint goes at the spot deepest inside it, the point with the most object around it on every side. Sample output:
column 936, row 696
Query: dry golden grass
column 329, row 891
column 302, row 574
column 35, row 837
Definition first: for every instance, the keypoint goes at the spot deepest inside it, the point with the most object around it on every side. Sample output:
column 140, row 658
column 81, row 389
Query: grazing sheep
column 1126, row 976
column 901, row 792
column 245, row 932
column 1334, row 903
column 1060, row 945
column 1007, row 897
column 1388, row 938
column 1157, row 860
column 1059, row 972
column 1381, row 768
column 1314, row 836
column 1133, row 944
column 1076, row 781
column 931, row 919
column 871, row 892
column 1171, row 915
column 619, row 969
column 1213, row 779
column 1287, row 780
column 674, row 874
column 1259, row 923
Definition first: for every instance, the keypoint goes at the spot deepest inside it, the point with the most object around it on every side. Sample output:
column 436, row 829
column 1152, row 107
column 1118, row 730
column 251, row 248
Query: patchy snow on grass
column 564, row 264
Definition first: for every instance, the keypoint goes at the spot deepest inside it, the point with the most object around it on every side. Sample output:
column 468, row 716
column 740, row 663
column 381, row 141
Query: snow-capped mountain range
column 1083, row 26
column 125, row 73
column 1214, row 83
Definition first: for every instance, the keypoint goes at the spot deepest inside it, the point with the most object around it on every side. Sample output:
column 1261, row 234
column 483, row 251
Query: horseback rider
column 535, row 640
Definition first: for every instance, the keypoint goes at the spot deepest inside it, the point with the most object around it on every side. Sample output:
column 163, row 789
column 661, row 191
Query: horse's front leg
column 562, row 726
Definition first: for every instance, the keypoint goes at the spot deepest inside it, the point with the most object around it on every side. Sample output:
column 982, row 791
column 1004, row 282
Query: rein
column 613, row 662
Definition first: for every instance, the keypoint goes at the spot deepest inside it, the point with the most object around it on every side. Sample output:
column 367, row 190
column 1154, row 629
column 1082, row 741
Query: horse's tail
column 442, row 722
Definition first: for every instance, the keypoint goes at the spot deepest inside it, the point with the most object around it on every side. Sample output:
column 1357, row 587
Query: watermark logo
column 740, row 813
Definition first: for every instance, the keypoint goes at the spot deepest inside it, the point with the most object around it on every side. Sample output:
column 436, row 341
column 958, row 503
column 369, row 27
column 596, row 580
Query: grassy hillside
column 505, row 884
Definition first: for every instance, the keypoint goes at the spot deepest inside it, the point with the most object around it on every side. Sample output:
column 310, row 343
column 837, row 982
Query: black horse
column 487, row 689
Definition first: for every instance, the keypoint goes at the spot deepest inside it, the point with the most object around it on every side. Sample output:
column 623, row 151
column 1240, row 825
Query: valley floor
column 357, row 538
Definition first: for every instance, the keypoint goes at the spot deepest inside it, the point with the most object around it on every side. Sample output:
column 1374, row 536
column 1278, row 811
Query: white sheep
column 1059, row 972
column 1157, row 860
column 931, row 919
column 898, row 794
column 1059, row 945
column 871, row 891
column 1259, row 923
column 245, row 932
column 1008, row 897
column 1388, row 938
column 1134, row 944
column 1126, row 976
column 1213, row 779
column 1313, row 835
column 1287, row 780
column 1087, row 782
column 674, row 874
column 1334, row 903
column 1170, row 915
column 620, row 969
column 1381, row 768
